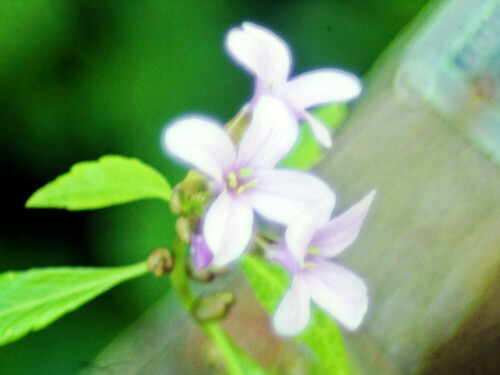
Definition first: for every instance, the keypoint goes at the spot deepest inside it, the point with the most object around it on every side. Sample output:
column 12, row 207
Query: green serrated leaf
column 307, row 152
column 109, row 181
column 31, row 300
column 322, row 335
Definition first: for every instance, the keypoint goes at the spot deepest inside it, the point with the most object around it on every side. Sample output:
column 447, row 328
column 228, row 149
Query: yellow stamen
column 246, row 172
column 309, row 265
column 249, row 185
column 314, row 250
column 232, row 180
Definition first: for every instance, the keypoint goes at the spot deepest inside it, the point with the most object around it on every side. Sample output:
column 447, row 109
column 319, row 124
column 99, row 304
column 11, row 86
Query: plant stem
column 220, row 338
column 178, row 277
column 213, row 330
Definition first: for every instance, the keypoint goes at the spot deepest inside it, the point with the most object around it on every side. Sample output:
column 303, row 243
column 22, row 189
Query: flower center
column 240, row 181
column 309, row 261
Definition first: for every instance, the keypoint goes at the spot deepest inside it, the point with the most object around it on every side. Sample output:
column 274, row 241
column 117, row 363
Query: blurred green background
column 80, row 79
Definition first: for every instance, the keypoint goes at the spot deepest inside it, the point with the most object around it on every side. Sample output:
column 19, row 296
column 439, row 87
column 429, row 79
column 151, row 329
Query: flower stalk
column 213, row 330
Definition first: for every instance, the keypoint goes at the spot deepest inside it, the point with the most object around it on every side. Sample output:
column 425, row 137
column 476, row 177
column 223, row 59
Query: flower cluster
column 242, row 180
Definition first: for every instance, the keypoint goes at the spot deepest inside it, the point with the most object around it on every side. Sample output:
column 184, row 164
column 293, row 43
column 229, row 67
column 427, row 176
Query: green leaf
column 307, row 151
column 31, row 300
column 322, row 335
column 269, row 281
column 109, row 181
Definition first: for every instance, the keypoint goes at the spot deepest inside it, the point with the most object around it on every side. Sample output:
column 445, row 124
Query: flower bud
column 238, row 124
column 160, row 261
column 183, row 229
column 200, row 200
column 175, row 201
column 214, row 306
column 193, row 183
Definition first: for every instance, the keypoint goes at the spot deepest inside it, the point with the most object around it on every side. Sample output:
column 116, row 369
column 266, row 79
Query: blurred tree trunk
column 425, row 136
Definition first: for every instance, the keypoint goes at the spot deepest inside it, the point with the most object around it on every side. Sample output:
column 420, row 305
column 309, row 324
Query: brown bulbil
column 203, row 276
column 160, row 262
column 214, row 306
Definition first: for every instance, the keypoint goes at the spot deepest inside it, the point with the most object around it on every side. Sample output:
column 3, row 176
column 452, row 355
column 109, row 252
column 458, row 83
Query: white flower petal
column 270, row 136
column 228, row 228
column 261, row 52
column 201, row 143
column 294, row 311
column 247, row 50
column 281, row 195
column 299, row 233
column 277, row 53
column 280, row 254
column 320, row 87
column 338, row 291
column 341, row 231
column 319, row 130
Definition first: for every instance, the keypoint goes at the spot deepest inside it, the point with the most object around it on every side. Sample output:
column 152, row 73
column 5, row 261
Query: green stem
column 220, row 338
column 179, row 277
column 213, row 330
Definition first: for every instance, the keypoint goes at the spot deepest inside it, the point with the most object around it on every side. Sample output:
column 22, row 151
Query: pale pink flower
column 304, row 253
column 245, row 180
column 267, row 57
